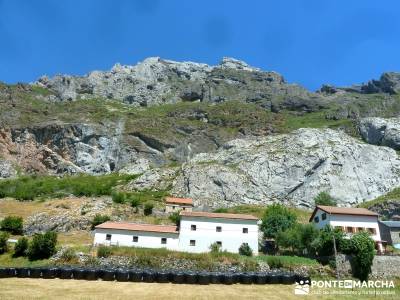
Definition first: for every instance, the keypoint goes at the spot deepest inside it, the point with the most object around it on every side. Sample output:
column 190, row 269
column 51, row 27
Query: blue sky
column 310, row 42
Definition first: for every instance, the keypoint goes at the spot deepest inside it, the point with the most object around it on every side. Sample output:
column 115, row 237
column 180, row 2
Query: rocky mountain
column 227, row 133
column 290, row 168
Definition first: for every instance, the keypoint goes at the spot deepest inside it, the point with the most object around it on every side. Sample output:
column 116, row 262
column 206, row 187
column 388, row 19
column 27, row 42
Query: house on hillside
column 390, row 232
column 349, row 220
column 173, row 204
column 197, row 231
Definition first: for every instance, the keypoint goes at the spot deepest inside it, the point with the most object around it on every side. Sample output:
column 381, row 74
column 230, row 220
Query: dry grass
column 74, row 238
column 18, row 288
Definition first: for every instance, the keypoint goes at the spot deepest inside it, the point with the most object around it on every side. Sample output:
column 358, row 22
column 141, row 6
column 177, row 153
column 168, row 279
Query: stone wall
column 382, row 267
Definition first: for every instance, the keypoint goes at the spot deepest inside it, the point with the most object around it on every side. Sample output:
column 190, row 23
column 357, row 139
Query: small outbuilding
column 173, row 204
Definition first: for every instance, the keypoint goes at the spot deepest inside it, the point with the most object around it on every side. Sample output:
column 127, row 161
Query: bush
column 21, row 247
column 245, row 249
column 135, row 202
column 324, row 198
column 3, row 242
column 274, row 262
column 148, row 208
column 323, row 244
column 103, row 251
column 99, row 219
column 363, row 250
column 12, row 224
column 42, row 246
column 215, row 248
column 118, row 197
column 277, row 218
column 175, row 217
column 299, row 238
column 68, row 256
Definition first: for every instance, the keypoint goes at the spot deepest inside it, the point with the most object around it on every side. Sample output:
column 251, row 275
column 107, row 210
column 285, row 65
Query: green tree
column 99, row 219
column 277, row 218
column 324, row 243
column 42, row 245
column 324, row 198
column 299, row 238
column 175, row 217
column 363, row 250
column 148, row 208
column 21, row 247
column 215, row 248
column 3, row 242
column 245, row 249
column 12, row 224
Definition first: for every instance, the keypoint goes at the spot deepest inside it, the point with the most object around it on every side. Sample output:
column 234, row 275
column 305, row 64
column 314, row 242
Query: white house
column 349, row 220
column 197, row 231
column 139, row 235
column 173, row 204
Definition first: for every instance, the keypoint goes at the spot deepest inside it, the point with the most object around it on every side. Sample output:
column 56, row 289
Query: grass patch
column 392, row 195
column 33, row 187
column 7, row 260
column 289, row 261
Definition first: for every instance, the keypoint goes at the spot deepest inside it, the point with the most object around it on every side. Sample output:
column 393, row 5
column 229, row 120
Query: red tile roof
column 138, row 227
column 343, row 211
column 217, row 215
column 174, row 200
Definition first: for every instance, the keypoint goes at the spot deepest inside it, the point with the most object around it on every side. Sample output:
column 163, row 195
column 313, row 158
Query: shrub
column 323, row 244
column 12, row 224
column 99, row 219
column 118, row 197
column 68, row 255
column 135, row 202
column 274, row 262
column 245, row 249
column 175, row 217
column 148, row 208
column 3, row 242
column 42, row 245
column 324, row 198
column 221, row 210
column 103, row 251
column 363, row 248
column 21, row 247
column 299, row 238
column 277, row 218
column 215, row 248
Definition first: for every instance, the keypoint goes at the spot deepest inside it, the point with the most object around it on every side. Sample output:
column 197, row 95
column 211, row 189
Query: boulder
column 379, row 131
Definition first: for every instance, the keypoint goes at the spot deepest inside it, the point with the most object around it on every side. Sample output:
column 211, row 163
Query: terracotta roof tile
column 138, row 227
column 179, row 200
column 217, row 215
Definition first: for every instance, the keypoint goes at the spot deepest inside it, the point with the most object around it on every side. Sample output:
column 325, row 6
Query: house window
column 372, row 230
column 192, row 243
column 218, row 228
column 163, row 240
column 323, row 216
column 184, row 208
column 245, row 230
column 316, row 219
column 108, row 237
column 349, row 229
column 135, row 239
column 173, row 207
column 219, row 243
column 193, row 227
column 359, row 229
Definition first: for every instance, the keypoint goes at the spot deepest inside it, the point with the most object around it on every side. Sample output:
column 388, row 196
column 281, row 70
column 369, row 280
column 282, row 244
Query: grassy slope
column 393, row 195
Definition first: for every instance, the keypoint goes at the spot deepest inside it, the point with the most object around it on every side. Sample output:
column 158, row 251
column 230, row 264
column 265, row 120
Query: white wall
column 231, row 235
column 349, row 221
column 145, row 239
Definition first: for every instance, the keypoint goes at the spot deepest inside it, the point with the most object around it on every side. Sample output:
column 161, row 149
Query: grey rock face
column 379, row 131
column 156, row 81
column 291, row 168
column 6, row 169
column 388, row 83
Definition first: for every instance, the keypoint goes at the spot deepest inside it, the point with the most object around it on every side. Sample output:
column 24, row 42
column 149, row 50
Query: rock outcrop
column 290, row 168
column 7, row 169
column 379, row 131
column 156, row 81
